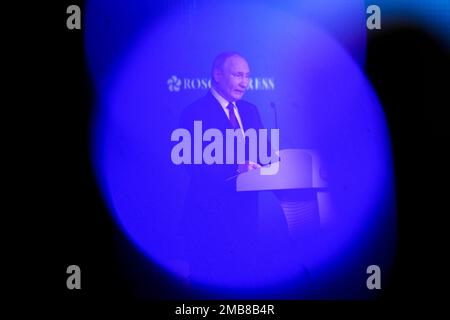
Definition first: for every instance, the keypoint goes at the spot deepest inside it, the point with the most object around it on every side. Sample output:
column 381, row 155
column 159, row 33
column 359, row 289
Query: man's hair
column 219, row 61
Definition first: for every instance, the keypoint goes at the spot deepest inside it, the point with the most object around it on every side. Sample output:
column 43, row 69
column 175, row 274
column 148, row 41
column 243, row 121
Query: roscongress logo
column 176, row 84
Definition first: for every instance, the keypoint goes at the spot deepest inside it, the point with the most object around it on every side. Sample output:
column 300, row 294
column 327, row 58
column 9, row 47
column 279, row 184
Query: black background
column 62, row 219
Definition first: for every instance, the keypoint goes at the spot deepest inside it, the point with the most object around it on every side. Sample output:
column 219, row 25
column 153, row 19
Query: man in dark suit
column 220, row 224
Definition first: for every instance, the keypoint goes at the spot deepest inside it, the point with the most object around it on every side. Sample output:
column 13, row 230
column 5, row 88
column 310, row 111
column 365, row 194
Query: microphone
column 272, row 104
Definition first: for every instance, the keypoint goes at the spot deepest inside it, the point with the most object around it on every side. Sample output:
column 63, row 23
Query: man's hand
column 247, row 166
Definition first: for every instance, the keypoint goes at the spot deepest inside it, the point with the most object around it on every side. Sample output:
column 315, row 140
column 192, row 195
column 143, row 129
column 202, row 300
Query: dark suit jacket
column 208, row 110
column 215, row 215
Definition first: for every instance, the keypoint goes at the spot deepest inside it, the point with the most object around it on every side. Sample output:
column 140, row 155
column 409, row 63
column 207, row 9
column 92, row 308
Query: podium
column 299, row 182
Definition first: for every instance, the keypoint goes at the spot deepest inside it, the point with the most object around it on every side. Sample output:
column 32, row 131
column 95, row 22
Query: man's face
column 232, row 79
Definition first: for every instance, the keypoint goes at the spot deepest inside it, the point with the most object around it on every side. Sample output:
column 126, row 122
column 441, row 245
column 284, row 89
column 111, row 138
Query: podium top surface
column 296, row 169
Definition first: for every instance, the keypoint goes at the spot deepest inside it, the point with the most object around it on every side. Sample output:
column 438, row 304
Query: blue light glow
column 324, row 103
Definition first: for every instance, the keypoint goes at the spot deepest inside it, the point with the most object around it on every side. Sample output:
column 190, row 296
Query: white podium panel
column 297, row 169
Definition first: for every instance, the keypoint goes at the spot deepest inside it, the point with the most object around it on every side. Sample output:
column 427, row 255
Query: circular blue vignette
column 324, row 103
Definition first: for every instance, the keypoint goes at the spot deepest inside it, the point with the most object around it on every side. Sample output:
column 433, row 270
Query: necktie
column 235, row 123
column 233, row 119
